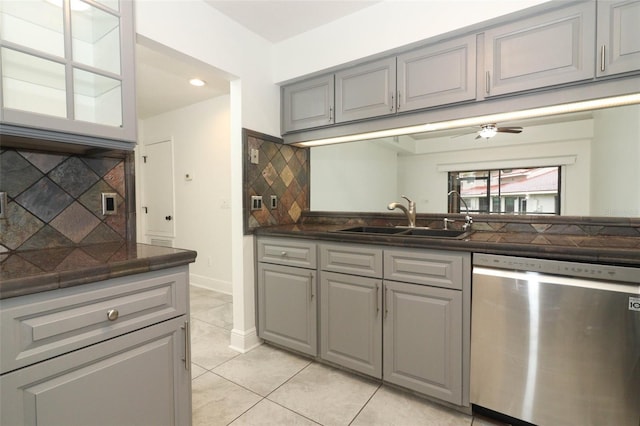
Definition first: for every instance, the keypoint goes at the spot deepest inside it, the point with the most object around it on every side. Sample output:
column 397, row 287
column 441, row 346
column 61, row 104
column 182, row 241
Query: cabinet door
column 74, row 74
column 423, row 339
column 366, row 91
column 437, row 75
column 545, row 50
column 287, row 307
column 351, row 322
column 618, row 36
column 136, row 379
column 308, row 104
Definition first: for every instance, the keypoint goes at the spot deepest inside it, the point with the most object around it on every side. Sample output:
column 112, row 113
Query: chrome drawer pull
column 112, row 314
column 284, row 254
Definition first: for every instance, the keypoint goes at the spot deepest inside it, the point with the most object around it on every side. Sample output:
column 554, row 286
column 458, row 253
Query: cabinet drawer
column 355, row 260
column 434, row 268
column 43, row 325
column 287, row 252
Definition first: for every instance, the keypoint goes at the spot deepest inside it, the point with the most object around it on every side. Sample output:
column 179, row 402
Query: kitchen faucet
column 410, row 212
column 467, row 219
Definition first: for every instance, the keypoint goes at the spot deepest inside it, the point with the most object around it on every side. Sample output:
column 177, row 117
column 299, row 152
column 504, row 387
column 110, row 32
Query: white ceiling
column 162, row 75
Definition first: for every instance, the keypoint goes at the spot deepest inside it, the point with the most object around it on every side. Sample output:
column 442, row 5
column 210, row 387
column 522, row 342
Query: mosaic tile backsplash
column 283, row 171
column 55, row 200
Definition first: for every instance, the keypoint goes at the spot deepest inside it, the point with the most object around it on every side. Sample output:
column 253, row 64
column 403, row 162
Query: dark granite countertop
column 33, row 271
column 572, row 246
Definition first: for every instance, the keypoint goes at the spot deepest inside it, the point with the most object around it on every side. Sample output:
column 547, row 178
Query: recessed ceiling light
column 197, row 82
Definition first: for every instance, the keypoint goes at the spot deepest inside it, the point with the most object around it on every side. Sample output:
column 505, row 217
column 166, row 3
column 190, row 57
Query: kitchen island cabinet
column 110, row 346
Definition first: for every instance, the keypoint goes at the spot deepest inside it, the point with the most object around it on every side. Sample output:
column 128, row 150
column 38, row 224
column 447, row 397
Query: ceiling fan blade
column 509, row 129
column 478, row 137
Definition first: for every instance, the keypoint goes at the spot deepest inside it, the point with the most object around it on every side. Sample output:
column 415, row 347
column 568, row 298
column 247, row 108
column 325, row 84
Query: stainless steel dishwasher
column 556, row 343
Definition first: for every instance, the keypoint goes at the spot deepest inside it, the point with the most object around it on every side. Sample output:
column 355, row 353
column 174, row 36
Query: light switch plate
column 254, row 156
column 256, row 202
column 109, row 203
column 273, row 202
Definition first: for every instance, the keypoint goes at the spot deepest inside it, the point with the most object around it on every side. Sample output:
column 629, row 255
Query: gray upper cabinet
column 548, row 49
column 308, row 104
column 618, row 37
column 74, row 74
column 440, row 74
column 366, row 91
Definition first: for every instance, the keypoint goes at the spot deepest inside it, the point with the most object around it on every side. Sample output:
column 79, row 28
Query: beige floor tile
column 267, row 413
column 263, row 369
column 325, row 395
column 203, row 299
column 209, row 345
column 220, row 315
column 217, row 401
column 393, row 407
column 196, row 371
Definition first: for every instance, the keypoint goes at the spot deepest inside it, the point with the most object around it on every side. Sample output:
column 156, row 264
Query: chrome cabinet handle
column 112, row 314
column 386, row 302
column 311, row 285
column 603, row 58
column 187, row 345
column 398, row 106
column 377, row 298
column 330, row 114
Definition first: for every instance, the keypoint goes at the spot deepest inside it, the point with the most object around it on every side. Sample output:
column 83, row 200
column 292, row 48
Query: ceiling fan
column 489, row 130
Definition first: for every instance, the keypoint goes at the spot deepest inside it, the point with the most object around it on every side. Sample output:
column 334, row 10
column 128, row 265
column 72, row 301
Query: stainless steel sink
column 408, row 232
column 374, row 230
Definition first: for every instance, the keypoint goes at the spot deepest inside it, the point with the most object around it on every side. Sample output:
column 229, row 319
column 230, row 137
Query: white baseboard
column 244, row 341
column 210, row 283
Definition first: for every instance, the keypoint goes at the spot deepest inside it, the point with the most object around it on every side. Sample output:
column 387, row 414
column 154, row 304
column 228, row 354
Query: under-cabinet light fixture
column 197, row 82
column 480, row 120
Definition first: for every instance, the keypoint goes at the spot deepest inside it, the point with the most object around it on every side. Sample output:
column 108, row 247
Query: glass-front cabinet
column 68, row 66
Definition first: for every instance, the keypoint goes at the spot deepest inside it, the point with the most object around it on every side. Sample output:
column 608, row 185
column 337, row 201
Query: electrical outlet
column 254, row 156
column 274, row 202
column 256, row 202
column 109, row 204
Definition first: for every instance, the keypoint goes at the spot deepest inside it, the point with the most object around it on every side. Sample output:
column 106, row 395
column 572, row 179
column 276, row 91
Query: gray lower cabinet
column 439, row 74
column 308, row 104
column 544, row 50
column 135, row 379
column 423, row 339
column 287, row 307
column 366, row 91
column 105, row 353
column 618, row 37
column 351, row 322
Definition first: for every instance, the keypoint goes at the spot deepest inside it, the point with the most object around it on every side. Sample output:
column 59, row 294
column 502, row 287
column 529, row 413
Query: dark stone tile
column 278, row 162
column 18, row 227
column 73, row 176
column 115, row 178
column 269, row 174
column 16, row 266
column 287, row 152
column 44, row 161
column 46, row 238
column 519, row 227
column 47, row 260
column 44, row 199
column 101, row 165
column 16, row 173
column 268, row 150
column 278, row 187
column 75, row 222
column 101, row 234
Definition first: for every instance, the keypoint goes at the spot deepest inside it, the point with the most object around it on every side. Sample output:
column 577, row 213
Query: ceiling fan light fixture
column 488, row 131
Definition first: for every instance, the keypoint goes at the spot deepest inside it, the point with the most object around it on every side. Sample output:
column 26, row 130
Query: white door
column 157, row 190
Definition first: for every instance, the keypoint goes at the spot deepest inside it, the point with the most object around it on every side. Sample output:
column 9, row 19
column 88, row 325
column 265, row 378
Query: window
column 507, row 191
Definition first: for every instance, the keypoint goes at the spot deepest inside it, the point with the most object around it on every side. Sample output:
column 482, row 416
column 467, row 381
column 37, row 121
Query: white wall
column 200, row 135
column 357, row 176
column 198, row 30
column 615, row 175
column 384, row 26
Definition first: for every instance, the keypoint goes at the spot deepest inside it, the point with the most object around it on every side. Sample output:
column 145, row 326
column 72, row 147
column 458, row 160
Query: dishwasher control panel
column 558, row 267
